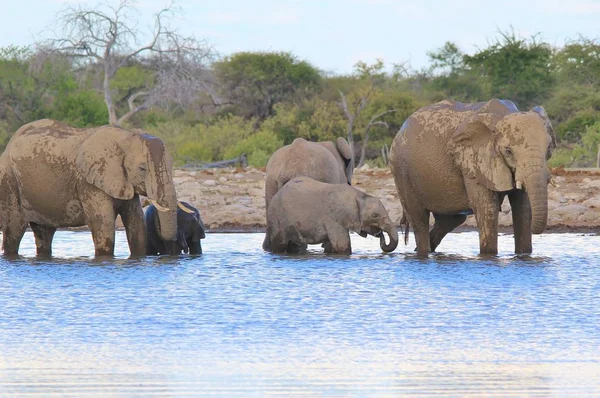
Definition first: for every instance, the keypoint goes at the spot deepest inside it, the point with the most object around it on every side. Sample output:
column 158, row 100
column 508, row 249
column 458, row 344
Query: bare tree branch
column 372, row 122
column 108, row 37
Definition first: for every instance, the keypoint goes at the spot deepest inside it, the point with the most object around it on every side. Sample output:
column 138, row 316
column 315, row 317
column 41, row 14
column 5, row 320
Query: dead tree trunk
column 371, row 123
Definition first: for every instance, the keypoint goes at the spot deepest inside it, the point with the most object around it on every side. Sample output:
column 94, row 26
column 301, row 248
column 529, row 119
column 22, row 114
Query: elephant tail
column 404, row 226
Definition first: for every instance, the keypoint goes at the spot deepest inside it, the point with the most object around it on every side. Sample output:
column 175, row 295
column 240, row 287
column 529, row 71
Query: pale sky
column 334, row 34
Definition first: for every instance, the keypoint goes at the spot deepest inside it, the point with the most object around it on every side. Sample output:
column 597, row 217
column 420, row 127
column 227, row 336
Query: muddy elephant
column 322, row 161
column 53, row 175
column 453, row 159
column 190, row 230
column 305, row 211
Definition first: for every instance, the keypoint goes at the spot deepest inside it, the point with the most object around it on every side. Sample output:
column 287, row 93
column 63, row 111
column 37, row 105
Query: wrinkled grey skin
column 190, row 230
column 305, row 211
column 53, row 175
column 322, row 161
column 453, row 159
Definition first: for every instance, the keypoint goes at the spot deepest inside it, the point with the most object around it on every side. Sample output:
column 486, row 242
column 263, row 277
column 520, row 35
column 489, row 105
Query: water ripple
column 240, row 322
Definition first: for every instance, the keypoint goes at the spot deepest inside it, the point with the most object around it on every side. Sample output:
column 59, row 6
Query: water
column 239, row 322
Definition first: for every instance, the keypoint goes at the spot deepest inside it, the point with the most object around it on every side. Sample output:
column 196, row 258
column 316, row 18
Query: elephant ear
column 100, row 159
column 477, row 155
column 542, row 112
column 199, row 231
column 346, row 151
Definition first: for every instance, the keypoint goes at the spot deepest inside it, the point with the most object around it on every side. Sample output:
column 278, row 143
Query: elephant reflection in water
column 190, row 230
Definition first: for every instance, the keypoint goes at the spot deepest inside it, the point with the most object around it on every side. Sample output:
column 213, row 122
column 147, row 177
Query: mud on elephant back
column 306, row 212
column 453, row 159
column 53, row 175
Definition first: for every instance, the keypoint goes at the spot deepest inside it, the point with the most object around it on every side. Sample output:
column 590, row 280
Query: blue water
column 240, row 322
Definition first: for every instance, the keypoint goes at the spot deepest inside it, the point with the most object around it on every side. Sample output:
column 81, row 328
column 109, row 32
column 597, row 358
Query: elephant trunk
column 390, row 229
column 166, row 205
column 536, row 185
column 167, row 217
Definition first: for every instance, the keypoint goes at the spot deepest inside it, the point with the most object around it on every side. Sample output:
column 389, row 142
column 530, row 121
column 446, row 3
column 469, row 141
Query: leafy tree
column 451, row 78
column 578, row 63
column 515, row 69
column 256, row 81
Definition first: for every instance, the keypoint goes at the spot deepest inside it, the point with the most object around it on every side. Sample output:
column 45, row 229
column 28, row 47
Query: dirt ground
column 232, row 200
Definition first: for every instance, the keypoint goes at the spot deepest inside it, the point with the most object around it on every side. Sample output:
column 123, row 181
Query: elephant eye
column 508, row 151
column 375, row 215
column 142, row 168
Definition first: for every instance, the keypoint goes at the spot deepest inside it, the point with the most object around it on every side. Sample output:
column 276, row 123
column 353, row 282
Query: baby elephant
column 190, row 229
column 305, row 211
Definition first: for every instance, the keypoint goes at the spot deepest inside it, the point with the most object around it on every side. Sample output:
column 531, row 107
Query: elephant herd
column 448, row 160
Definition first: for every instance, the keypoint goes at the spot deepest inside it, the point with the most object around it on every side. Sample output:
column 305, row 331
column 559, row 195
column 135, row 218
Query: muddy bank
column 232, row 200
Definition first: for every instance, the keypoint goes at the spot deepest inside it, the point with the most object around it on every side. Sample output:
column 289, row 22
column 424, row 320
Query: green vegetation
column 255, row 102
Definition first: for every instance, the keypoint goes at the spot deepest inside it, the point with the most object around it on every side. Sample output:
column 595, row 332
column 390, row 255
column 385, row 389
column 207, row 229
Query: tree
column 108, row 37
column 578, row 62
column 515, row 68
column 450, row 77
column 256, row 81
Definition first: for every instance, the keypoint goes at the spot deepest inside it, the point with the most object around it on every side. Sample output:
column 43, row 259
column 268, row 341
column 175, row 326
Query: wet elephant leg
column 12, row 233
column 296, row 248
column 339, row 238
column 486, row 205
column 43, row 238
column 521, row 217
column 101, row 216
column 444, row 224
column 132, row 215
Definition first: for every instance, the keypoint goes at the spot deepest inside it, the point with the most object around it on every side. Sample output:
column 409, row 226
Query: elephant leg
column 43, row 238
column 486, row 206
column 12, row 233
column 271, row 188
column 444, row 224
column 339, row 239
column 296, row 248
column 521, row 217
column 132, row 215
column 195, row 247
column 101, row 216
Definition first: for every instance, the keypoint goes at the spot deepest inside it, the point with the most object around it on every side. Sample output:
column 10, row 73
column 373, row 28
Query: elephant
column 53, row 175
column 321, row 161
column 306, row 211
column 190, row 230
column 453, row 159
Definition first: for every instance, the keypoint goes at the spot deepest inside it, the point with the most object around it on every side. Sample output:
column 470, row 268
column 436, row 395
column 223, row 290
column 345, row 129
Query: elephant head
column 190, row 228
column 123, row 163
column 374, row 220
column 343, row 152
column 509, row 151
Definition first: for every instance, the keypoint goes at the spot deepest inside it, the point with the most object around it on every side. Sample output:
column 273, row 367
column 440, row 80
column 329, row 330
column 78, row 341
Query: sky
column 334, row 34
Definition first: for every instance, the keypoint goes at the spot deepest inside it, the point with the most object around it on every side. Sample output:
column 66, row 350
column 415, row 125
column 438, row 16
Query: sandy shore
column 232, row 200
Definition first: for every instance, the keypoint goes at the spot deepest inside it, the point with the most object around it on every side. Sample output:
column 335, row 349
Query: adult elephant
column 453, row 159
column 306, row 211
column 53, row 175
column 190, row 230
column 322, row 161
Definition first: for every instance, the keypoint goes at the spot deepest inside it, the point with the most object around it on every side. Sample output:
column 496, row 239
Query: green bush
column 258, row 147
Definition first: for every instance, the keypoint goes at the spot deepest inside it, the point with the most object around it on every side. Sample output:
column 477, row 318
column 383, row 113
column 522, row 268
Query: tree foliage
column 257, row 81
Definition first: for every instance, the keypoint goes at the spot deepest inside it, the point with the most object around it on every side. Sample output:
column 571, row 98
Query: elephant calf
column 190, row 229
column 305, row 211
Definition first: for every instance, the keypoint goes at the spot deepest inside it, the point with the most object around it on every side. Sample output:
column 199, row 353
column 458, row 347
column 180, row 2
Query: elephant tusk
column 159, row 207
column 182, row 207
column 519, row 185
